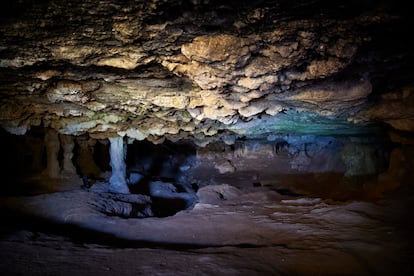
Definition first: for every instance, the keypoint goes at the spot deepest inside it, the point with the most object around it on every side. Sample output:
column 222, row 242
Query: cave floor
column 260, row 232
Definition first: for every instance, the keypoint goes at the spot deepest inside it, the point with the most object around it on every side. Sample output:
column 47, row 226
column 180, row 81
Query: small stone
column 225, row 167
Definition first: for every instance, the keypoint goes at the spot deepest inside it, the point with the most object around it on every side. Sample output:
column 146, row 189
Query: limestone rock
column 225, row 166
column 205, row 72
column 215, row 194
column 396, row 108
column 229, row 49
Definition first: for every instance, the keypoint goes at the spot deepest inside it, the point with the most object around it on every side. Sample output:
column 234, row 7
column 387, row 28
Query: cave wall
column 43, row 156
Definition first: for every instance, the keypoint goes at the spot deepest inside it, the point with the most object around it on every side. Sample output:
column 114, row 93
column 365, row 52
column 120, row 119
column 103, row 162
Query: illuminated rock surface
column 202, row 69
column 206, row 137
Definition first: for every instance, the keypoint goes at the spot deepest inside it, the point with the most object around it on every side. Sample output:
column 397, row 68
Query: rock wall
column 264, row 161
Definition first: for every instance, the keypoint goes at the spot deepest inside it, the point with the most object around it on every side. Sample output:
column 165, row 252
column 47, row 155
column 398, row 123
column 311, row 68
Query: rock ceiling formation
column 206, row 137
column 204, row 69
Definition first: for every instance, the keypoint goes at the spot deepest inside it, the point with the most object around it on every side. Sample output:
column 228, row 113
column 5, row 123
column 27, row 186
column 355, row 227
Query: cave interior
column 263, row 137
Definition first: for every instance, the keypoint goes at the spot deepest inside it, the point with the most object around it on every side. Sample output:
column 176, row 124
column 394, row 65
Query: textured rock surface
column 243, row 233
column 203, row 70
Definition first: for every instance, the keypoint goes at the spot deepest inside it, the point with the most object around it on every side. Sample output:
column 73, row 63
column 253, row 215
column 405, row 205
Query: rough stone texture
column 274, row 80
column 244, row 233
column 202, row 70
column 396, row 108
column 256, row 163
column 214, row 194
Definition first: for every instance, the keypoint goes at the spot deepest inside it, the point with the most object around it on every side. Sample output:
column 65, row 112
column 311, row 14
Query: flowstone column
column 52, row 150
column 117, row 151
column 68, row 169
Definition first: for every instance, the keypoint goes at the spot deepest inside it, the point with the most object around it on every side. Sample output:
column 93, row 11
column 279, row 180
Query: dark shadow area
column 10, row 9
column 101, row 155
column 22, row 157
column 286, row 191
column 159, row 171
column 164, row 207
column 164, row 161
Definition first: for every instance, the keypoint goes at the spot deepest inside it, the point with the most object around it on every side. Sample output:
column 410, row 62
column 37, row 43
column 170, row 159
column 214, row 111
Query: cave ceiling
column 205, row 70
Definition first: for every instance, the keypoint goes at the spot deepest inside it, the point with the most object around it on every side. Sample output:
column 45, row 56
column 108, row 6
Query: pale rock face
column 214, row 194
column 225, row 166
column 227, row 49
column 253, row 109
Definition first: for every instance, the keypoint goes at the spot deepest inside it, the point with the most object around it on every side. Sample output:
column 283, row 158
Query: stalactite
column 117, row 182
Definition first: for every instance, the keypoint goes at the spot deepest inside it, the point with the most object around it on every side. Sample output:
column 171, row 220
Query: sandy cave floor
column 257, row 232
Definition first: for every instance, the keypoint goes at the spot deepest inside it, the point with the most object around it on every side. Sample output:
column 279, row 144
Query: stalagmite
column 67, row 144
column 117, row 182
column 52, row 150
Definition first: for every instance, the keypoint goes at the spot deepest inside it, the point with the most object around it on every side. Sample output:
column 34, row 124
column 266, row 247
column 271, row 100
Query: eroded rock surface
column 258, row 232
column 203, row 70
